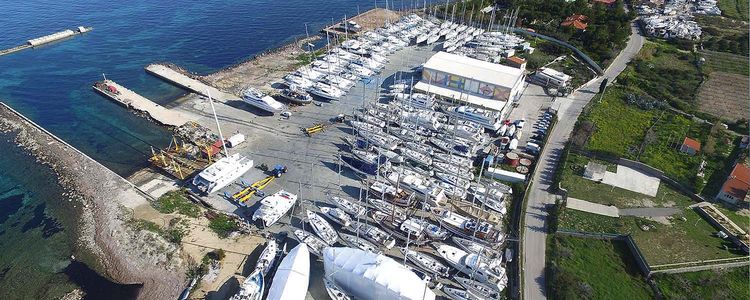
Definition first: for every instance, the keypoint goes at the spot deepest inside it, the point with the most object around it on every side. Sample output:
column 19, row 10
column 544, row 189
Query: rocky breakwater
column 103, row 202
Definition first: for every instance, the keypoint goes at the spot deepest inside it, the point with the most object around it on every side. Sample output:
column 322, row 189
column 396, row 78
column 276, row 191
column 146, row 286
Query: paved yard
column 594, row 208
column 632, row 180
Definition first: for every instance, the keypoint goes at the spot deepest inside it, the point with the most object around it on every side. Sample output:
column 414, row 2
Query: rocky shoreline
column 103, row 202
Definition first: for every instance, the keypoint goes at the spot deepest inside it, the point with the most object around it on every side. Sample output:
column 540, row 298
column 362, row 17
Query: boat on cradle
column 361, row 126
column 478, row 288
column 453, row 169
column 474, row 247
column 380, row 140
column 267, row 257
column 337, row 215
column 453, row 159
column 385, row 155
column 435, row 232
column 334, row 291
column 315, row 244
column 450, row 190
column 296, row 95
column 369, row 276
column 476, row 211
column 387, row 208
column 473, row 265
column 221, row 173
column 273, row 207
column 421, row 148
column 452, row 179
column 426, row 262
column 369, row 157
column 489, row 119
column 326, row 91
column 261, row 100
column 459, row 294
column 252, row 288
column 384, row 190
column 452, row 147
column 373, row 234
column 370, row 119
column 467, row 227
column 292, row 276
column 348, row 206
column 321, row 227
column 361, row 167
column 409, row 229
column 491, row 202
column 358, row 242
column 424, row 191
column 416, row 156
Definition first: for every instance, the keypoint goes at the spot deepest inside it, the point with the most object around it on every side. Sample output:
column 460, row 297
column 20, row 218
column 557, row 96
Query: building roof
column 691, row 143
column 475, row 69
column 607, row 2
column 738, row 182
column 516, row 60
column 596, row 168
column 577, row 21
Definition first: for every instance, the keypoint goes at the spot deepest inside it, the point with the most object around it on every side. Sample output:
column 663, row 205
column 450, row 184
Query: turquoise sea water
column 52, row 86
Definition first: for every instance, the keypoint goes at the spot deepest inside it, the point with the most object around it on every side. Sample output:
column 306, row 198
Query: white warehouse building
column 471, row 81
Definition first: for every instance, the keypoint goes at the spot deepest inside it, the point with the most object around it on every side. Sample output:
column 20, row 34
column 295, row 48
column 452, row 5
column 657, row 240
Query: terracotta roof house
column 515, row 61
column 735, row 188
column 580, row 22
column 690, row 146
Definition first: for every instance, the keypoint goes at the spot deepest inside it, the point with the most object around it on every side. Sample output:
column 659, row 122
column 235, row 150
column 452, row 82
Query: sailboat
column 337, row 215
column 426, row 262
column 358, row 242
column 315, row 244
column 254, row 285
column 322, row 228
column 334, row 291
column 293, row 276
column 348, row 206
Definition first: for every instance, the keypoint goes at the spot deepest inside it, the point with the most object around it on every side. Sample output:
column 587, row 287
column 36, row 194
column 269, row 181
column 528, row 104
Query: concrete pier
column 181, row 80
column 47, row 39
column 133, row 100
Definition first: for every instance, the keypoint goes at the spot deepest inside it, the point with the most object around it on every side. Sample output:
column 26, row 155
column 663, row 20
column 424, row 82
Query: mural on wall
column 486, row 90
column 456, row 82
column 501, row 93
column 439, row 78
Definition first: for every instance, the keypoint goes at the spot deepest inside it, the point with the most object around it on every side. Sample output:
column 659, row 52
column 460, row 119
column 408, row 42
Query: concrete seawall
column 133, row 100
column 181, row 80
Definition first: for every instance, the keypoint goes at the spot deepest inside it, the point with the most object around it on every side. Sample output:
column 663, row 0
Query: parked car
column 520, row 123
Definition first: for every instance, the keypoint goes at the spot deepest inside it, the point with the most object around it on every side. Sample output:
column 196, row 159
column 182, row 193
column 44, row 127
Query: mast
column 221, row 136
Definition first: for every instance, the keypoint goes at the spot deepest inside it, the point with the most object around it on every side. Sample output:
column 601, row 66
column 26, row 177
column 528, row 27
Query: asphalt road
column 535, row 226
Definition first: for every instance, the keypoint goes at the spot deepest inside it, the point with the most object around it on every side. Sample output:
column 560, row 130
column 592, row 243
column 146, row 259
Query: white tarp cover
column 293, row 276
column 366, row 275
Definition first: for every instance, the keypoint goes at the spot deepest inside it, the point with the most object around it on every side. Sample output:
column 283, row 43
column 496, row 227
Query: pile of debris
column 675, row 19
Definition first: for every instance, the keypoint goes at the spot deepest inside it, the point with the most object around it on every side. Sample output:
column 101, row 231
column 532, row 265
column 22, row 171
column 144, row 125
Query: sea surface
column 52, row 86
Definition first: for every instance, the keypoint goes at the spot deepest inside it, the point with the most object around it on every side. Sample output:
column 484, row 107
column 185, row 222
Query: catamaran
column 221, row 173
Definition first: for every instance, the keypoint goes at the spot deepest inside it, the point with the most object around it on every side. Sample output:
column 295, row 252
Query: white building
column 471, row 81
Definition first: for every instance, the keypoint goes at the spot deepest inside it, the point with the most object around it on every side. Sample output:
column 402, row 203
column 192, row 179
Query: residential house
column 606, row 2
column 579, row 22
column 736, row 186
column 517, row 62
column 690, row 146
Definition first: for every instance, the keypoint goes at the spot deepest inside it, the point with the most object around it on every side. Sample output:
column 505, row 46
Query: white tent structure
column 293, row 276
column 366, row 275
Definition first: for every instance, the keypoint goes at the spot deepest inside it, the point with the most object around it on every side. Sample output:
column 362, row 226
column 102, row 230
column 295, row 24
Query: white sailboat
column 322, row 228
column 314, row 244
column 348, row 206
column 293, row 276
column 337, row 215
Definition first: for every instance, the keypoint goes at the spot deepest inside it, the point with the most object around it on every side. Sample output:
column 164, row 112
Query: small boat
column 358, row 242
column 459, row 294
column 450, row 190
column 491, row 202
column 467, row 227
column 453, row 159
column 262, row 101
column 410, row 230
column 370, row 119
column 478, row 288
column 369, row 157
column 348, row 206
column 361, row 167
column 416, row 156
column 361, row 126
column 453, row 170
column 267, row 257
column 452, row 179
column 337, row 215
column 321, row 227
column 473, row 265
column 475, row 210
column 296, row 95
column 421, row 148
column 436, row 233
column 389, row 192
column 387, row 208
column 334, row 291
column 314, row 243
column 252, row 288
column 373, row 234
column 273, row 207
column 474, row 247
column 380, row 139
column 326, row 91
column 426, row 262
column 292, row 276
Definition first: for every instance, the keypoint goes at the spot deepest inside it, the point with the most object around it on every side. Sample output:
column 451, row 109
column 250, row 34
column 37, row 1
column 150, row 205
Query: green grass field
column 711, row 284
column 735, row 9
column 725, row 62
column 679, row 241
column 596, row 269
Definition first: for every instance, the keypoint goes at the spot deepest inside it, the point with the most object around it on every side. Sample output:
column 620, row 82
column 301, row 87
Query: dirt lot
column 725, row 95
